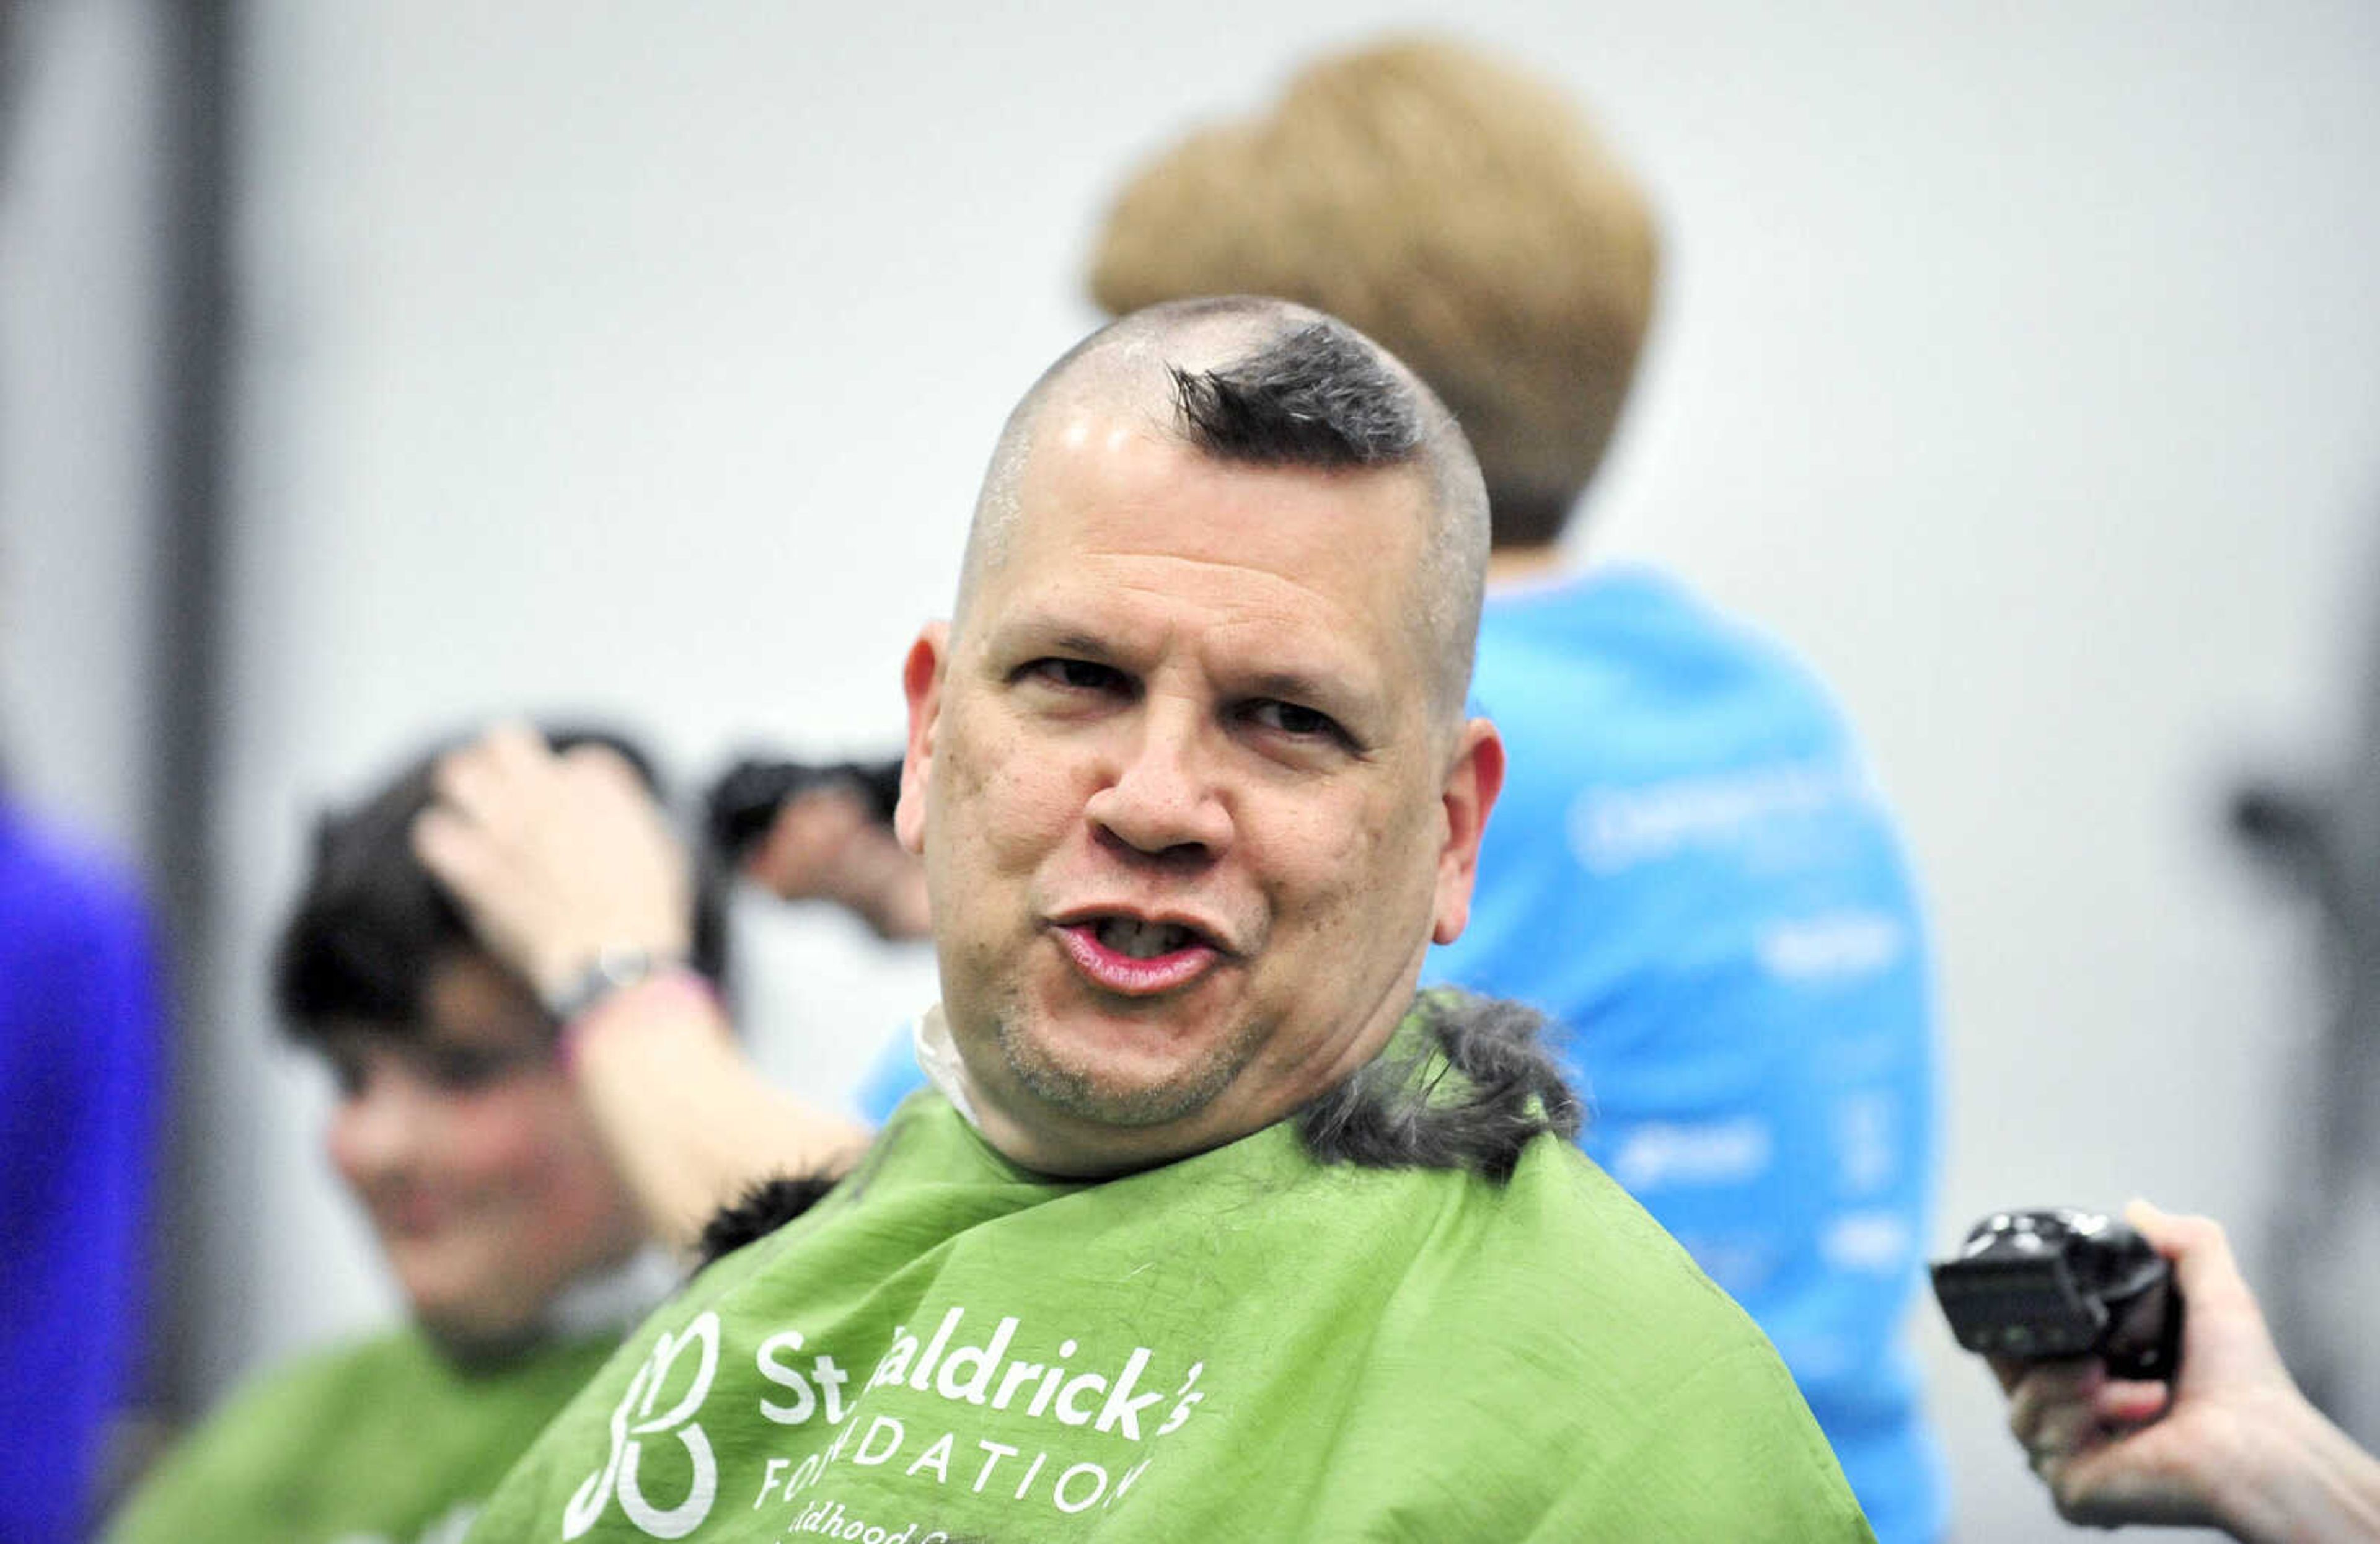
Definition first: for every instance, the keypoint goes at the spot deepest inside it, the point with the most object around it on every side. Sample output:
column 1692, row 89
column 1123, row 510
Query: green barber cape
column 384, row 1442
column 1245, row 1345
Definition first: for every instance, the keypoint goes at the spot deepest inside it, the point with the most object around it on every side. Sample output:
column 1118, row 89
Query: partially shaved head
column 1268, row 384
column 1189, row 767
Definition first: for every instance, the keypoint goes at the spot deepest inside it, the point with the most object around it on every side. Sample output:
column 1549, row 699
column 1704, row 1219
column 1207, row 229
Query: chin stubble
column 1081, row 1093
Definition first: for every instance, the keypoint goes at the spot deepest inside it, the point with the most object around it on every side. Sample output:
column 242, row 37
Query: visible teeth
column 1142, row 941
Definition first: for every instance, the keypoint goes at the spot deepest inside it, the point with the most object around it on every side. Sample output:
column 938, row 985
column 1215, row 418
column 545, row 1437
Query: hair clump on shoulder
column 760, row 1212
column 1472, row 1094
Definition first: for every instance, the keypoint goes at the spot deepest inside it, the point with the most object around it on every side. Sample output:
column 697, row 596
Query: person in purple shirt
column 80, row 1076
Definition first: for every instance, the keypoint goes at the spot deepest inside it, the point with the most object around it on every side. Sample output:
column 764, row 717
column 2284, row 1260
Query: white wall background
column 2021, row 364
column 80, row 331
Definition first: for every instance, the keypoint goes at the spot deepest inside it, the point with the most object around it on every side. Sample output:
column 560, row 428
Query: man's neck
column 1514, row 565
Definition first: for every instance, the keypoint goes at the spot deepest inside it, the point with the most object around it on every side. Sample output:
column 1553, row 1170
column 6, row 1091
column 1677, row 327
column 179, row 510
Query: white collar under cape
column 938, row 1058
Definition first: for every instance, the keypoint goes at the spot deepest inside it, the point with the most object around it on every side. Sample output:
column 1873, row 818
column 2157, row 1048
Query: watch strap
column 610, row 970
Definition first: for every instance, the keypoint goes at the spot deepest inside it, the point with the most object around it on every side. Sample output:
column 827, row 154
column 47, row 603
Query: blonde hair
column 1458, row 209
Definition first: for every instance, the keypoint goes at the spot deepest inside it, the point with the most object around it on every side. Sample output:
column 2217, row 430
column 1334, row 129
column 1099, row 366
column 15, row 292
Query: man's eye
column 460, row 1070
column 1076, row 675
column 1289, row 718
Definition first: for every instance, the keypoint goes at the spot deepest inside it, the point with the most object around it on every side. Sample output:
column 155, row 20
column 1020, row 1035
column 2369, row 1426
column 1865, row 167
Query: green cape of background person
column 387, row 1440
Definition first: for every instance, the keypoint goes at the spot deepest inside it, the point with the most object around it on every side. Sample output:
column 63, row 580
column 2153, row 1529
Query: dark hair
column 1494, row 1091
column 1315, row 396
column 763, row 1209
column 371, row 924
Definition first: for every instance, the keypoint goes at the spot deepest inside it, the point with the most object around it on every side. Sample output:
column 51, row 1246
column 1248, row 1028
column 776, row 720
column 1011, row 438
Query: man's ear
column 921, row 682
column 1472, row 785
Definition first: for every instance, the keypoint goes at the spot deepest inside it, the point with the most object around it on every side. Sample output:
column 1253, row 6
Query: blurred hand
column 556, row 858
column 825, row 844
column 2202, row 1452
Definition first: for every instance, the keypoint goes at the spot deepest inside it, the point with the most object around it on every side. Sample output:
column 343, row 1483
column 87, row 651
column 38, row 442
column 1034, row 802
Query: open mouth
column 1137, row 958
column 1142, row 941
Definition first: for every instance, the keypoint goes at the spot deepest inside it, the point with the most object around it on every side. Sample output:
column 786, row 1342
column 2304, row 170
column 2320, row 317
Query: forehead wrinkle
column 1132, row 617
column 1099, row 439
column 1397, row 527
column 1334, row 646
column 1223, row 568
column 1280, row 596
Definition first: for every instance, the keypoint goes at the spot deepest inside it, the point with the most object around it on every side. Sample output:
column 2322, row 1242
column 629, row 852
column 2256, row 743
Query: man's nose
column 1161, row 797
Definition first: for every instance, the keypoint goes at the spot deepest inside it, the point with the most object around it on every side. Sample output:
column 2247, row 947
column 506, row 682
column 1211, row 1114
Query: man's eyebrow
column 1332, row 690
column 1044, row 633
column 1356, row 707
column 1085, row 645
column 1297, row 686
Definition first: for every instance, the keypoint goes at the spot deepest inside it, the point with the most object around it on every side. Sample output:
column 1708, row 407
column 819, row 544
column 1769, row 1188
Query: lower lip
column 1129, row 977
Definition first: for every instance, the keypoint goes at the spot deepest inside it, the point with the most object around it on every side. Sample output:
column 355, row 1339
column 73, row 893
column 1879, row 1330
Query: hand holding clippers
column 2058, row 1282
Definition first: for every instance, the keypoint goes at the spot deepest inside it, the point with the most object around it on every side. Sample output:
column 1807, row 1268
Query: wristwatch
column 612, row 969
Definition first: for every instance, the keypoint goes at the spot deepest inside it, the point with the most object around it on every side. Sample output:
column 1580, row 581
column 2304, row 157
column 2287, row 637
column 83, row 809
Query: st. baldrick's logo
column 634, row 1426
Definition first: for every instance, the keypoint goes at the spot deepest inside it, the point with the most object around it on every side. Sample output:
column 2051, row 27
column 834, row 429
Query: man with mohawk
column 1209, row 1227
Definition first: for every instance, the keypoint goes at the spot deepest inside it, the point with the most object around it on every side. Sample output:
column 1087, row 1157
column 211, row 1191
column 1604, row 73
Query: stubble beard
column 1081, row 1092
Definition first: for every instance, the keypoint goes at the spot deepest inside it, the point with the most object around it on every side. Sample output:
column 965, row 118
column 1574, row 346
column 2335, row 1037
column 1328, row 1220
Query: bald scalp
column 1263, row 383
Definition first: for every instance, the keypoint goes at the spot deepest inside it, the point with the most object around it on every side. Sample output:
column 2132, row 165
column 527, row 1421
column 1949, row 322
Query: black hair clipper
column 2062, row 1283
column 742, row 804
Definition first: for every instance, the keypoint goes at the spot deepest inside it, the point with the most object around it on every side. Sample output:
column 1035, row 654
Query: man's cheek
column 1326, row 853
column 968, row 780
column 1027, row 804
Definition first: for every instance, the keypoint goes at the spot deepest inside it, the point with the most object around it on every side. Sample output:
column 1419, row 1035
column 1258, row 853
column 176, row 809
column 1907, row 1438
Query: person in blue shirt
column 82, row 1075
column 1691, row 871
